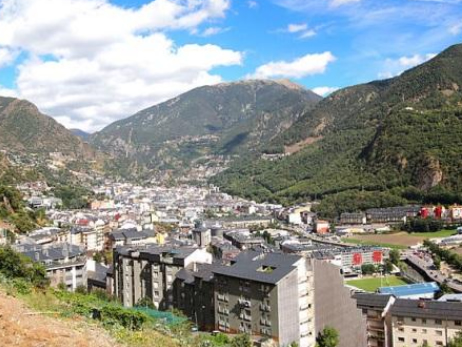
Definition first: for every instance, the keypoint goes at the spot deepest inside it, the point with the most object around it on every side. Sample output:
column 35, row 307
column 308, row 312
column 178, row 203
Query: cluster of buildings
column 228, row 266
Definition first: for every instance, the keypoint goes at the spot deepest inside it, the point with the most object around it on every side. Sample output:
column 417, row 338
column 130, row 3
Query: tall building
column 415, row 322
column 378, row 323
column 149, row 272
column 268, row 294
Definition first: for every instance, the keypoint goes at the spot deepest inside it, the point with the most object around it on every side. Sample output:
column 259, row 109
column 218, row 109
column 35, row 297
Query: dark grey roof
column 51, row 253
column 205, row 271
column 370, row 300
column 185, row 275
column 157, row 253
column 99, row 274
column 247, row 266
column 427, row 309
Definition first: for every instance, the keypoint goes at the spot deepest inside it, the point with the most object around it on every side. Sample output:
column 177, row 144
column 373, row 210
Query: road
column 425, row 264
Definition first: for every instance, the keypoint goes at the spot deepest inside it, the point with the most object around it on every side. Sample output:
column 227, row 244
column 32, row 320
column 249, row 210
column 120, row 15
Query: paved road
column 425, row 264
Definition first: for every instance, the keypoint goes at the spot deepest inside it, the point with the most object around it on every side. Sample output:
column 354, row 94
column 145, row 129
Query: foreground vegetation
column 137, row 327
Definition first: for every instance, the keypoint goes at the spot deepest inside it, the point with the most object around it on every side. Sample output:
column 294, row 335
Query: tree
column 368, row 269
column 437, row 261
column 328, row 337
column 394, row 256
column 242, row 340
column 388, row 266
column 456, row 341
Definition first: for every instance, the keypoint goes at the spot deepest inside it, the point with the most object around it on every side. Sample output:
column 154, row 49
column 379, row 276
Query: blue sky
column 90, row 62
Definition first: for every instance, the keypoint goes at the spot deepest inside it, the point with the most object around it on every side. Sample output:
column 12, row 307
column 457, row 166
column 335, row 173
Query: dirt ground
column 401, row 238
column 20, row 326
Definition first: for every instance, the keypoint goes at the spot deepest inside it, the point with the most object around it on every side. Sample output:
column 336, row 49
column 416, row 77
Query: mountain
column 82, row 134
column 30, row 139
column 206, row 124
column 393, row 139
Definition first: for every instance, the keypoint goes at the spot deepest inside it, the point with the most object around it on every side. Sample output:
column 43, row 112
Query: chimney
column 421, row 304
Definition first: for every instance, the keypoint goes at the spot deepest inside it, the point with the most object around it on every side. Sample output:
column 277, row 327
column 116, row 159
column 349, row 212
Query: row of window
column 415, row 341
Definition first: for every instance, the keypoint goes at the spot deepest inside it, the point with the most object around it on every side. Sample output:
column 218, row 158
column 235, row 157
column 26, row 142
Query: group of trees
column 446, row 255
column 14, row 266
column 423, row 225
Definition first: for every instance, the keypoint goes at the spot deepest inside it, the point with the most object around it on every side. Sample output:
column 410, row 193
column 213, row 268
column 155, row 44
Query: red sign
column 377, row 256
column 357, row 259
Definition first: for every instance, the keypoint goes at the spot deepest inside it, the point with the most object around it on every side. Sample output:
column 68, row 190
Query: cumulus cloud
column 394, row 67
column 309, row 64
column 324, row 91
column 91, row 62
column 7, row 56
column 7, row 92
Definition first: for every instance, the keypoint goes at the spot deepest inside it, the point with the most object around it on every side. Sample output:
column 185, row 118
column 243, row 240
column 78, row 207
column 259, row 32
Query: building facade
column 266, row 294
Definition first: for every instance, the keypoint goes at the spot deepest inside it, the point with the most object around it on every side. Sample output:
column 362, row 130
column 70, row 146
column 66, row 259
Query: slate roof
column 370, row 300
column 247, row 265
column 427, row 309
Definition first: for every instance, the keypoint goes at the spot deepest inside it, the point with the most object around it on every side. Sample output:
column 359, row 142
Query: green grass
column 372, row 284
column 441, row 233
column 372, row 243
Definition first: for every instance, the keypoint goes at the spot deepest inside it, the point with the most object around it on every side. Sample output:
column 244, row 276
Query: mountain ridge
column 226, row 119
column 377, row 136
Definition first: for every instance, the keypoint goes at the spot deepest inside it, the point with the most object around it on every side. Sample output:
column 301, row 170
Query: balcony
column 245, row 302
column 245, row 317
column 265, row 308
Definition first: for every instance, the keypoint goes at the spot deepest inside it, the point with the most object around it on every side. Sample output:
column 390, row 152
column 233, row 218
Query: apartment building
column 374, row 308
column 194, row 295
column 267, row 294
column 150, row 272
column 64, row 262
column 414, row 322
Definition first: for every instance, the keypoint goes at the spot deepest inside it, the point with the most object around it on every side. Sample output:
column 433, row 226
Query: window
column 414, row 340
column 424, row 331
column 439, row 343
column 156, row 293
column 458, row 322
column 401, row 339
column 413, row 319
column 439, row 332
column 424, row 321
column 401, row 329
column 438, row 321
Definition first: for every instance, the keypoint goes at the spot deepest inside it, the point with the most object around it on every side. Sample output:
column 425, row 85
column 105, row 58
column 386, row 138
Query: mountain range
column 401, row 134
column 228, row 119
column 39, row 145
column 392, row 140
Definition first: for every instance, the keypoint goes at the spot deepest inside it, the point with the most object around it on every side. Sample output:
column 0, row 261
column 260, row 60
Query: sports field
column 371, row 284
column 396, row 240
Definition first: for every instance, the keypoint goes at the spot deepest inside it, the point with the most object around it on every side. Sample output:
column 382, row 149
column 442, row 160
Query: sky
column 88, row 63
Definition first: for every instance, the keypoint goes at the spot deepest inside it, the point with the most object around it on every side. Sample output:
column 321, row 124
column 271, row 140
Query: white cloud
column 92, row 62
column 308, row 33
column 7, row 56
column 456, row 29
column 295, row 28
column 211, row 31
column 7, row 92
column 324, row 91
column 309, row 64
column 252, row 4
column 394, row 67
column 301, row 29
column 336, row 3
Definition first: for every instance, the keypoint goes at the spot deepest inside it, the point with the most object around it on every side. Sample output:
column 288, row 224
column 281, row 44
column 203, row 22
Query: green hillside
column 378, row 144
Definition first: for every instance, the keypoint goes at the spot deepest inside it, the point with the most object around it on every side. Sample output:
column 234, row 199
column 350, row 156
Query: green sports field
column 371, row 284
